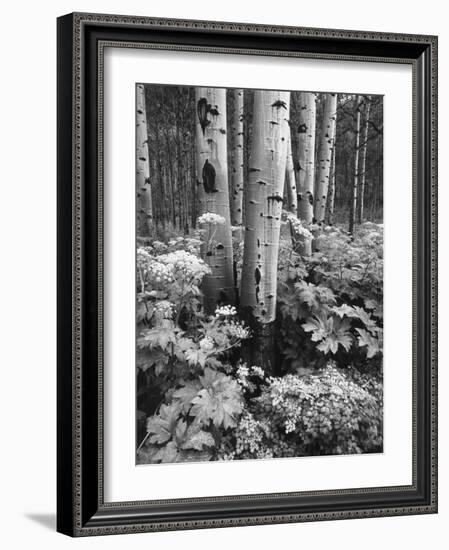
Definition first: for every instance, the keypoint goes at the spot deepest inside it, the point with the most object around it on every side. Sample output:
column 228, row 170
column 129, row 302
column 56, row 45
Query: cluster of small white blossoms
column 143, row 258
column 185, row 264
column 236, row 330
column 207, row 344
column 298, row 227
column 257, row 371
column 211, row 219
column 225, row 311
column 253, row 434
column 242, row 375
column 243, row 372
column 158, row 272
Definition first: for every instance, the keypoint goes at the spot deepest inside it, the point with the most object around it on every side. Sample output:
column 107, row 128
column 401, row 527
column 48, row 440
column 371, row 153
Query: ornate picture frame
column 81, row 507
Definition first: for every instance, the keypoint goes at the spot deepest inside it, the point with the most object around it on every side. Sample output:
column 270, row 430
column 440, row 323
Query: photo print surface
column 259, row 274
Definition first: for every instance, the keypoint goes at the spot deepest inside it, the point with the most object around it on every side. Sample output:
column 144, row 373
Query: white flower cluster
column 211, row 219
column 290, row 425
column 206, row 344
column 225, row 311
column 184, row 264
column 242, row 375
column 244, row 372
column 143, row 258
column 159, row 272
column 257, row 371
column 237, row 330
column 298, row 227
column 253, row 434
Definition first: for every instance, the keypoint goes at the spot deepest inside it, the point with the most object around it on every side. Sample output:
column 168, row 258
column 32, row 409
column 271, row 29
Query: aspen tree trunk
column 212, row 179
column 305, row 167
column 290, row 182
column 331, row 198
column 363, row 162
column 236, row 168
column 355, row 185
column 144, row 200
column 263, row 208
column 327, row 143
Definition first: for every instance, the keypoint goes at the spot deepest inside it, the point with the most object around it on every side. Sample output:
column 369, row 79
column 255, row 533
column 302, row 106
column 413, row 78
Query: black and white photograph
column 259, row 273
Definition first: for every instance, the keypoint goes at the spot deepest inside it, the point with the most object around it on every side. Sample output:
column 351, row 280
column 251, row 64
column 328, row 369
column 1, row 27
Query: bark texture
column 236, row 168
column 143, row 185
column 290, row 180
column 327, row 143
column 331, row 194
column 305, row 166
column 363, row 162
column 355, row 184
column 263, row 203
column 212, row 181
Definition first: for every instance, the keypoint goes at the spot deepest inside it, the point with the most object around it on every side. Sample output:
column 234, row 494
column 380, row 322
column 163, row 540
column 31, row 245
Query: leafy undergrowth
column 198, row 400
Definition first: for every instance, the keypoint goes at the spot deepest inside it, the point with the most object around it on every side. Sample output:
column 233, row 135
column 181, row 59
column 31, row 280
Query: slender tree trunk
column 212, row 176
column 355, row 185
column 290, row 181
column 305, row 167
column 327, row 143
column 363, row 162
column 144, row 199
column 236, row 169
column 331, row 197
column 263, row 200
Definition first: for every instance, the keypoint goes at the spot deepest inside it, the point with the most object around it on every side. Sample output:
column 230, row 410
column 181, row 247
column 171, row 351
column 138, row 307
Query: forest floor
column 198, row 399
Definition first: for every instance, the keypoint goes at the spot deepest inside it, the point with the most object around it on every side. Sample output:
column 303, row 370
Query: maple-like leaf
column 220, row 401
column 196, row 357
column 371, row 343
column 186, row 393
column 344, row 311
column 182, row 345
column 333, row 340
column 162, row 426
column 317, row 326
column 160, row 336
column 196, row 438
column 366, row 319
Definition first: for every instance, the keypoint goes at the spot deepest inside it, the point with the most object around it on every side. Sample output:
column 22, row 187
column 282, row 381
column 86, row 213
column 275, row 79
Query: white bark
column 143, row 185
column 236, row 168
column 290, row 181
column 263, row 203
column 327, row 142
column 363, row 161
column 331, row 200
column 355, row 185
column 211, row 150
column 305, row 168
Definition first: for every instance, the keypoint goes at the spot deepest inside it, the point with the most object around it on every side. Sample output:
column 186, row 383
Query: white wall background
column 28, row 282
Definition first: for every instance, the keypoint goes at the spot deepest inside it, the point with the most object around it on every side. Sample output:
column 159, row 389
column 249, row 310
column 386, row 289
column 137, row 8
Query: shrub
column 332, row 411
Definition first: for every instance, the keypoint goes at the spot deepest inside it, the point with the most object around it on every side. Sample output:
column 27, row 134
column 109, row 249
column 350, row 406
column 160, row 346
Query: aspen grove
column 259, row 273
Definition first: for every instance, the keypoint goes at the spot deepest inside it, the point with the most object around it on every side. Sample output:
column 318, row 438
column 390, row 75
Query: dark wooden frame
column 81, row 508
